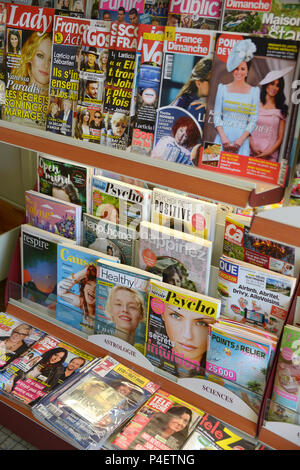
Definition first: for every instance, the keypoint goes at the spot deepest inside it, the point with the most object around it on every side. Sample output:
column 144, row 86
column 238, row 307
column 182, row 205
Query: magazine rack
column 240, row 192
column 214, row 399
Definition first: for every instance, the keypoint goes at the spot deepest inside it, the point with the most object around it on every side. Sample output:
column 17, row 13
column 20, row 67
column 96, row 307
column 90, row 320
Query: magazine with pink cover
column 28, row 60
column 250, row 108
column 180, row 258
column 137, row 12
column 54, row 215
column 197, row 15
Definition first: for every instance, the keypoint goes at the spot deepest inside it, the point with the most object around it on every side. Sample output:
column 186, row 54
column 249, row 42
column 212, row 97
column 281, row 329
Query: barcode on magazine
column 282, row 172
column 168, row 67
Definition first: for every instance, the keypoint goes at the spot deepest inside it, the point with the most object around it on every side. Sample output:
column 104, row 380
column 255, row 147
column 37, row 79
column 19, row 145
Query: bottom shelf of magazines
column 281, row 427
column 236, row 405
column 90, row 409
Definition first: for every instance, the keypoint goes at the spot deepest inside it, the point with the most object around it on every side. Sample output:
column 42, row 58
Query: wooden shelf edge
column 276, row 231
column 272, row 195
column 194, row 399
column 275, row 441
column 213, row 186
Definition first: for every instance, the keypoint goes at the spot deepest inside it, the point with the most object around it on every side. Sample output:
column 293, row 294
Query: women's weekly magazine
column 28, row 59
column 137, row 12
column 91, row 407
column 65, row 66
column 202, row 14
column 121, row 302
column 250, row 107
column 177, row 329
column 164, row 423
column 186, row 71
column 47, row 364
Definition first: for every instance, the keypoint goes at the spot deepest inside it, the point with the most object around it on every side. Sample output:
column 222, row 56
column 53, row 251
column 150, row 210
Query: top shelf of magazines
column 239, row 192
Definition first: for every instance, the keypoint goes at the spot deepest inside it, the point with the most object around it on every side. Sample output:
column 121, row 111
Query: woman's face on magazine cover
column 272, row 88
column 240, row 73
column 178, row 423
column 125, row 311
column 90, row 292
column 14, row 40
column 56, row 357
column 187, row 331
column 40, row 63
column 181, row 135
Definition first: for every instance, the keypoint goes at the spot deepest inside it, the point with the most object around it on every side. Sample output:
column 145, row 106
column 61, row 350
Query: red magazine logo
column 234, row 234
column 254, row 5
column 30, row 18
column 160, row 403
column 225, row 43
column 189, row 43
column 69, row 30
column 93, row 37
column 152, row 49
column 127, row 36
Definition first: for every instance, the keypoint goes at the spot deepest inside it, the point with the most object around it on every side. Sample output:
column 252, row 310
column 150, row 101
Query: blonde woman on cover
column 34, row 65
column 125, row 308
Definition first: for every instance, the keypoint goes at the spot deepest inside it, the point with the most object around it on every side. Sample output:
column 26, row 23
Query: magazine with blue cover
column 76, row 285
column 121, row 302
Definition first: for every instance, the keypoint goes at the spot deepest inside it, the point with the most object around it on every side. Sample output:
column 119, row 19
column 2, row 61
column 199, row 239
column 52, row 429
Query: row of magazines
column 149, row 284
column 207, row 84
column 99, row 403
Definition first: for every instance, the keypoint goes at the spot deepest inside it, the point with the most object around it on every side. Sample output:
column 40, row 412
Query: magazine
column 71, row 7
column 47, row 364
column 239, row 356
column 247, row 123
column 64, row 180
column 180, row 258
column 254, row 295
column 184, row 213
column 213, row 434
column 119, row 86
column 254, row 249
column 110, row 238
column 152, row 12
column 68, row 35
column 177, row 329
column 184, row 87
column 53, row 215
column 120, row 202
column 294, row 197
column 16, row 338
column 146, row 86
column 121, row 302
column 286, row 389
column 89, row 409
column 197, row 15
column 39, row 266
column 27, row 59
column 3, row 12
column 93, row 69
column 76, row 285
column 150, row 428
column 277, row 19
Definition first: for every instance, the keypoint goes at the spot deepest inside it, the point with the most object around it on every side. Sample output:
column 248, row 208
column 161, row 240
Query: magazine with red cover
column 204, row 14
column 184, row 87
column 250, row 107
column 93, row 69
column 137, row 12
column 146, row 86
column 64, row 81
column 164, row 423
column 27, row 58
column 118, row 90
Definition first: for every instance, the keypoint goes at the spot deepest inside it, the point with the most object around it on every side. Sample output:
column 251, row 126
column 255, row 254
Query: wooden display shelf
column 275, row 441
column 276, row 229
column 239, row 192
column 190, row 397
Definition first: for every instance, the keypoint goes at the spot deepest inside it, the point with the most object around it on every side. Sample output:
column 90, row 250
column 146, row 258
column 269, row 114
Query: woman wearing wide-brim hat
column 268, row 135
